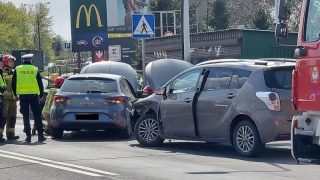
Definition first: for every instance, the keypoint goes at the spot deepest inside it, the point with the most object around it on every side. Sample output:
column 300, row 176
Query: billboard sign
column 89, row 28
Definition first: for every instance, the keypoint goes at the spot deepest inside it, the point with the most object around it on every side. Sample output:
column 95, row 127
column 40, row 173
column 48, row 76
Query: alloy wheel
column 148, row 130
column 245, row 138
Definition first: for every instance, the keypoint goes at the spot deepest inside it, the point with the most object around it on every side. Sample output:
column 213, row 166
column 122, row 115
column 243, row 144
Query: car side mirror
column 281, row 31
column 300, row 52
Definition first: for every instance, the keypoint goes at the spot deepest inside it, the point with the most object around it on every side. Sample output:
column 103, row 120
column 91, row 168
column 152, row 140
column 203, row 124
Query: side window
column 239, row 77
column 312, row 32
column 125, row 88
column 186, row 82
column 218, row 79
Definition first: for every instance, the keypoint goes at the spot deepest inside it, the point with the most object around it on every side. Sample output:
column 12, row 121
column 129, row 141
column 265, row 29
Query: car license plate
column 87, row 116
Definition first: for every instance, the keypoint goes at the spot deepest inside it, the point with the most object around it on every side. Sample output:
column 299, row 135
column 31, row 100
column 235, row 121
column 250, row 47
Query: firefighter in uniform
column 9, row 100
column 49, row 100
column 27, row 84
column 3, row 92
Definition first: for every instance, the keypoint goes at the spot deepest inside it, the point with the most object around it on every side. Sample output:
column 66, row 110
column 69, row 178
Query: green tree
column 43, row 22
column 220, row 15
column 57, row 45
column 11, row 33
column 261, row 19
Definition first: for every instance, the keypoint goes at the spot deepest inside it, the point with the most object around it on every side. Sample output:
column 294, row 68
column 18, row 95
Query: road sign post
column 143, row 26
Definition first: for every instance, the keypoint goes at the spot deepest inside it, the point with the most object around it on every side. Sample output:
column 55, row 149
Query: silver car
column 92, row 102
column 245, row 103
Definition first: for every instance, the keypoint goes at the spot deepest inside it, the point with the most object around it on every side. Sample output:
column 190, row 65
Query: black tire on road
column 146, row 131
column 56, row 133
column 246, row 139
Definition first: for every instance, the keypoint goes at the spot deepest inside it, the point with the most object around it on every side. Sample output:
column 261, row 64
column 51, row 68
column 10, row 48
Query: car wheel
column 56, row 133
column 246, row 139
column 124, row 133
column 146, row 131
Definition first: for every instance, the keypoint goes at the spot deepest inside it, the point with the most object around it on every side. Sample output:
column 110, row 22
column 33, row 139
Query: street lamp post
column 38, row 23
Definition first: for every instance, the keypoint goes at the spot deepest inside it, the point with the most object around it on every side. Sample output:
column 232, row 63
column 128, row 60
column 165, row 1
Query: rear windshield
column 92, row 84
column 279, row 78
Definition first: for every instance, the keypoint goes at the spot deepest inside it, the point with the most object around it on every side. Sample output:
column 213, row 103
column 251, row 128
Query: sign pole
column 186, row 30
column 143, row 53
column 143, row 26
column 79, row 60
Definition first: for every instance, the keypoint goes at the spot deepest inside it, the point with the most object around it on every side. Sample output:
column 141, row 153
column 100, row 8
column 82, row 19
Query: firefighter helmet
column 58, row 82
column 6, row 59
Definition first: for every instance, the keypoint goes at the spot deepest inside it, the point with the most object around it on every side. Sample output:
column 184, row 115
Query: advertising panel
column 89, row 28
column 119, row 26
column 121, row 15
column 114, row 53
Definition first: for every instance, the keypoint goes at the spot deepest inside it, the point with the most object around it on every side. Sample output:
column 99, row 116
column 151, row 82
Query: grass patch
column 44, row 73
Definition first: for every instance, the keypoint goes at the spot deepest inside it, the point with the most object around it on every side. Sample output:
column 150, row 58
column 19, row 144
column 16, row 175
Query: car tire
column 124, row 133
column 144, row 137
column 56, row 133
column 250, row 145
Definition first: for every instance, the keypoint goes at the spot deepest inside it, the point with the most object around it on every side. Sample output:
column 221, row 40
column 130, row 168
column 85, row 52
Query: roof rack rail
column 278, row 59
column 261, row 60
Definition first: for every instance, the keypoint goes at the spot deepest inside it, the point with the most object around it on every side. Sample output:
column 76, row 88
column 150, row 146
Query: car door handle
column 230, row 96
column 187, row 100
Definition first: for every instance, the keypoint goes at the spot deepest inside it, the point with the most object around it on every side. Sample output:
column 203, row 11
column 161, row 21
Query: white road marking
column 51, row 165
column 60, row 163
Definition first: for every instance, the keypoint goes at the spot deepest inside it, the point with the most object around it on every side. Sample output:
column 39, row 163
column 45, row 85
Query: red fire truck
column 305, row 133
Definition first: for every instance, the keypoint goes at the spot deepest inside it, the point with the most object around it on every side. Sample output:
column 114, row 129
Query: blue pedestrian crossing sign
column 67, row 45
column 143, row 26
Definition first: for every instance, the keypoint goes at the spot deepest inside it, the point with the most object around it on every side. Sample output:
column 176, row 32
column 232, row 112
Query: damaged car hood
column 112, row 67
column 160, row 71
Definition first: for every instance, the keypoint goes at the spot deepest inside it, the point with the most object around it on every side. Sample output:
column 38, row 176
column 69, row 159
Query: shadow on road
column 92, row 136
column 34, row 142
column 269, row 155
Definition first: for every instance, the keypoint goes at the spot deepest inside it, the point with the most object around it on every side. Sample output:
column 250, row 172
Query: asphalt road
column 101, row 155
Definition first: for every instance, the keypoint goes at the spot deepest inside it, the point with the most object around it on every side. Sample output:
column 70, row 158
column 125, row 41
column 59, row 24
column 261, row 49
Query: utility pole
column 185, row 30
column 208, row 15
column 38, row 24
column 39, row 34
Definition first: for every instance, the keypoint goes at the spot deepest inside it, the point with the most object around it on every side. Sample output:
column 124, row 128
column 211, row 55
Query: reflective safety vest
column 2, row 84
column 49, row 100
column 7, row 76
column 27, row 80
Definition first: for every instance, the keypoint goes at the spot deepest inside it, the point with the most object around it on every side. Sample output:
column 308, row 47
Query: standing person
column 9, row 101
column 2, row 93
column 27, row 84
column 49, row 100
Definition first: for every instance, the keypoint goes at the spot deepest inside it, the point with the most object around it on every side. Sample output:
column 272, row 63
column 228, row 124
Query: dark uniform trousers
column 1, row 112
column 33, row 101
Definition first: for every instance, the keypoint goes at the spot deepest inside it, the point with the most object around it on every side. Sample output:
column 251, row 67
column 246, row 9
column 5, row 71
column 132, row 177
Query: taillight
column 271, row 99
column 59, row 99
column 115, row 100
column 294, row 122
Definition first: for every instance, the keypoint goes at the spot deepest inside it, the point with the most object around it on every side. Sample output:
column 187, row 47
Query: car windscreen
column 83, row 85
column 279, row 78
